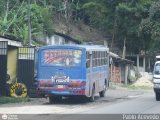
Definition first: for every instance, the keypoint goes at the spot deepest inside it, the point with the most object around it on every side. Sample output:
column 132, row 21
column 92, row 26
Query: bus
column 73, row 70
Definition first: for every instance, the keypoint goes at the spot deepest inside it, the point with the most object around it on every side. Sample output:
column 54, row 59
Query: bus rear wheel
column 102, row 93
column 92, row 98
column 54, row 99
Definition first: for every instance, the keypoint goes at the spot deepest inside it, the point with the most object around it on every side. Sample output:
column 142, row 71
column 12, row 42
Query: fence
column 26, row 61
column 3, row 67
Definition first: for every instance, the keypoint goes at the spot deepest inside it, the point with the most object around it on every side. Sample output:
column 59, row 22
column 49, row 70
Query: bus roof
column 87, row 47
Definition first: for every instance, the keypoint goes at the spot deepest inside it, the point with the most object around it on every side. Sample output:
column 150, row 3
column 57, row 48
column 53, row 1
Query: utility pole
column 114, row 31
column 29, row 24
column 124, row 49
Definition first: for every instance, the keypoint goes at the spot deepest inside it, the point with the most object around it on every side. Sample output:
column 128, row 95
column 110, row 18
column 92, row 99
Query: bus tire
column 157, row 97
column 92, row 98
column 54, row 99
column 102, row 93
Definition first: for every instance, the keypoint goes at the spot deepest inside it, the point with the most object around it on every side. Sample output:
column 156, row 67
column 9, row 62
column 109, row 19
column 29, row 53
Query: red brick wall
column 115, row 74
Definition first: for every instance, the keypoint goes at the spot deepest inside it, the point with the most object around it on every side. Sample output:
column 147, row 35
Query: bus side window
column 87, row 60
column 88, row 63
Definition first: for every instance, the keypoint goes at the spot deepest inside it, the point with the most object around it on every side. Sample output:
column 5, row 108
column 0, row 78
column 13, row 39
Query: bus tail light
column 83, row 84
column 74, row 85
column 77, row 85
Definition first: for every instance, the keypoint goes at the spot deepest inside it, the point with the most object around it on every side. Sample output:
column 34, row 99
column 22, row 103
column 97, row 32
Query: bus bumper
column 52, row 91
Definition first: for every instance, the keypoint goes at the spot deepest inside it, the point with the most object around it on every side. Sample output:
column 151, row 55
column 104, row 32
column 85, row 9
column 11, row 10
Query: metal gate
column 3, row 67
column 26, row 60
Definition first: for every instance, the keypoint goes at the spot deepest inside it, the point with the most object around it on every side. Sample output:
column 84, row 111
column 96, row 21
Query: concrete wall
column 58, row 40
column 12, row 63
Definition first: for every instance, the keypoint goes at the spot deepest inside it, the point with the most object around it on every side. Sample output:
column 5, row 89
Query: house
column 142, row 62
column 119, row 69
column 16, row 64
column 8, row 61
column 60, row 39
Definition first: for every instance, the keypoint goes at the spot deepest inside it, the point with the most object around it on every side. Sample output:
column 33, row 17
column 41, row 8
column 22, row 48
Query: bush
column 5, row 100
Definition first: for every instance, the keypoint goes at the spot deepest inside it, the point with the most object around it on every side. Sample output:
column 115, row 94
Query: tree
column 129, row 19
column 154, row 15
column 8, row 15
column 145, row 33
column 15, row 20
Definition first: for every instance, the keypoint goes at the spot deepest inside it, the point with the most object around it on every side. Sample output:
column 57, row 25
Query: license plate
column 60, row 86
column 60, row 80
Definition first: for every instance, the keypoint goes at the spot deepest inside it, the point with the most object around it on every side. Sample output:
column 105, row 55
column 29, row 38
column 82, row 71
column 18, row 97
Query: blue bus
column 73, row 70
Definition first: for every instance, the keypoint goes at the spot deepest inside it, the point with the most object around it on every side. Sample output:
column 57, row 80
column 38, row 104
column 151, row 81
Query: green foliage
column 145, row 29
column 136, row 21
column 95, row 12
column 150, row 28
column 132, row 87
column 47, row 21
column 129, row 17
column 154, row 12
column 6, row 100
column 155, row 18
column 15, row 20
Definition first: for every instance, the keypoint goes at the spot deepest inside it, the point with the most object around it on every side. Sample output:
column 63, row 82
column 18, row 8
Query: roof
column 87, row 47
column 125, row 61
column 116, row 58
column 94, row 47
column 113, row 55
column 68, row 37
column 11, row 42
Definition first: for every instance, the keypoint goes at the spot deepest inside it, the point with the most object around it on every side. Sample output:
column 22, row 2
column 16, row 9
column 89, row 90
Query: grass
column 5, row 100
column 132, row 87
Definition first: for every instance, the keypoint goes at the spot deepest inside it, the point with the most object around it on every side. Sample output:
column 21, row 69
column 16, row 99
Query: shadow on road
column 74, row 100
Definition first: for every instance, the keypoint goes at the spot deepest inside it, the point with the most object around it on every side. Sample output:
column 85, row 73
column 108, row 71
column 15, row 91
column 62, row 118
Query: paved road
column 41, row 106
column 131, row 104
column 144, row 104
column 116, row 102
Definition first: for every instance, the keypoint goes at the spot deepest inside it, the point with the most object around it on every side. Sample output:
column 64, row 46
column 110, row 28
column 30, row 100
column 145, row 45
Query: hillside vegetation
column 133, row 22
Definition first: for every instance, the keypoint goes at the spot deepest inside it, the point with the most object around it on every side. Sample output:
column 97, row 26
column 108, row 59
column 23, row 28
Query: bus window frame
column 48, row 65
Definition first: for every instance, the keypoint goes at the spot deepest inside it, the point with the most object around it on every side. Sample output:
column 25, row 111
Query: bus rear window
column 61, row 57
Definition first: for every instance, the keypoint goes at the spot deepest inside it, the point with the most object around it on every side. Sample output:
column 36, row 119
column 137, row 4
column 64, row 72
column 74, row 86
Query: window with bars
column 3, row 48
column 99, row 58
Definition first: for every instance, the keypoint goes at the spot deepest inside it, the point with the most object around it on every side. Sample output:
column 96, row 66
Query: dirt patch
column 79, row 31
column 143, row 81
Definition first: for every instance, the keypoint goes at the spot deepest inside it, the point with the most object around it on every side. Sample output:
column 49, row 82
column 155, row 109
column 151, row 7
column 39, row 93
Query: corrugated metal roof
column 87, row 47
column 119, row 59
column 12, row 42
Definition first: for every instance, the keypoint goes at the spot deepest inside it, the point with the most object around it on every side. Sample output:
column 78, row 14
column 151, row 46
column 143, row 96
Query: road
column 144, row 104
column 115, row 102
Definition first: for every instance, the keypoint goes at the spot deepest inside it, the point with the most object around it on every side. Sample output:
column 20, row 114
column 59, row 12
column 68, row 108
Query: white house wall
column 58, row 40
